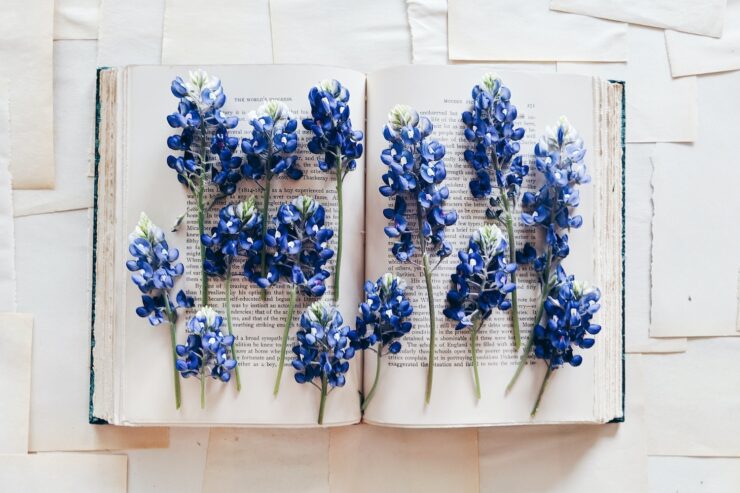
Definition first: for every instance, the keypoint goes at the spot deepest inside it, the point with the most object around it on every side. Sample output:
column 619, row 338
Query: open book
column 131, row 367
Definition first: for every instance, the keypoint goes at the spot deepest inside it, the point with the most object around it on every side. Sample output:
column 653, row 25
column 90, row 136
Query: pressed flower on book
column 566, row 306
column 415, row 173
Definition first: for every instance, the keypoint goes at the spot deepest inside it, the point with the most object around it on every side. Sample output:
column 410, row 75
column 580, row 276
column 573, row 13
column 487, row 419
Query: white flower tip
column 402, row 115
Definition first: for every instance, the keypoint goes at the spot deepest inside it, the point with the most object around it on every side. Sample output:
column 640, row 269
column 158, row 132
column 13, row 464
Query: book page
column 146, row 390
column 442, row 93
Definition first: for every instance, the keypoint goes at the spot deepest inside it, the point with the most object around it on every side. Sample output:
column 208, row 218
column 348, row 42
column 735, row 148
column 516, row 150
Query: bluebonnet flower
column 238, row 232
column 203, row 135
column 382, row 320
column 491, row 128
column 336, row 142
column 270, row 152
column 155, row 271
column 298, row 249
column 323, row 350
column 567, row 323
column 559, row 158
column 416, row 171
column 481, row 283
column 208, row 351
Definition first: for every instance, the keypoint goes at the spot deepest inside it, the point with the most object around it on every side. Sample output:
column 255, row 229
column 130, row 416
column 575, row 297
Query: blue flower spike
column 482, row 282
column 208, row 351
column 155, row 270
column 203, row 149
column 490, row 127
column 270, row 152
column 323, row 350
column 559, row 158
column 336, row 143
column 297, row 247
column 238, row 233
column 382, row 321
column 415, row 174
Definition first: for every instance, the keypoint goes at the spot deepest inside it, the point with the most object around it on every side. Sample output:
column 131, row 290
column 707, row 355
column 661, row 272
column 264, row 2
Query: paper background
column 16, row 331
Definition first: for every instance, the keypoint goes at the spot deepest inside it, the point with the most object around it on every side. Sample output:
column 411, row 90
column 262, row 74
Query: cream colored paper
column 78, row 473
column 705, row 17
column 7, row 239
column 74, row 100
column 76, row 19
column 242, row 34
column 694, row 474
column 698, row 297
column 26, row 54
column 53, row 263
column 150, row 469
column 365, row 35
column 269, row 460
column 659, row 108
column 15, row 381
column 428, row 24
column 571, row 458
column 130, row 32
column 500, row 30
column 691, row 54
column 693, row 400
column 371, row 459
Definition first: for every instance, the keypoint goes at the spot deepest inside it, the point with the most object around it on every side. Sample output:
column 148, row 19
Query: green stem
column 265, row 216
column 370, row 394
column 228, row 324
column 284, row 343
column 173, row 341
column 432, row 328
column 201, row 231
column 542, row 391
column 202, row 389
column 322, row 404
column 512, row 258
column 474, row 353
column 338, row 267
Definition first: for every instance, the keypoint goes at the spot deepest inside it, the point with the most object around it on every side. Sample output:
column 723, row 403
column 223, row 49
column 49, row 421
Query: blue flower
column 383, row 316
column 331, row 127
column 416, row 170
column 270, row 150
column 297, row 248
column 323, row 349
column 204, row 130
column 490, row 128
column 481, row 282
column 155, row 270
column 238, row 233
column 208, row 351
column 569, row 309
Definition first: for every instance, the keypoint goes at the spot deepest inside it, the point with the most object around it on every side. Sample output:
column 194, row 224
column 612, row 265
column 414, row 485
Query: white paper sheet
column 26, row 54
column 428, row 24
column 691, row 54
column 500, row 30
column 267, row 460
column 694, row 474
column 705, row 17
column 53, row 264
column 76, row 19
column 78, row 473
column 74, row 100
column 150, row 469
column 7, row 239
column 363, row 35
column 696, row 241
column 242, row 35
column 693, row 400
column 659, row 108
column 130, row 32
column 570, row 458
column 16, row 332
